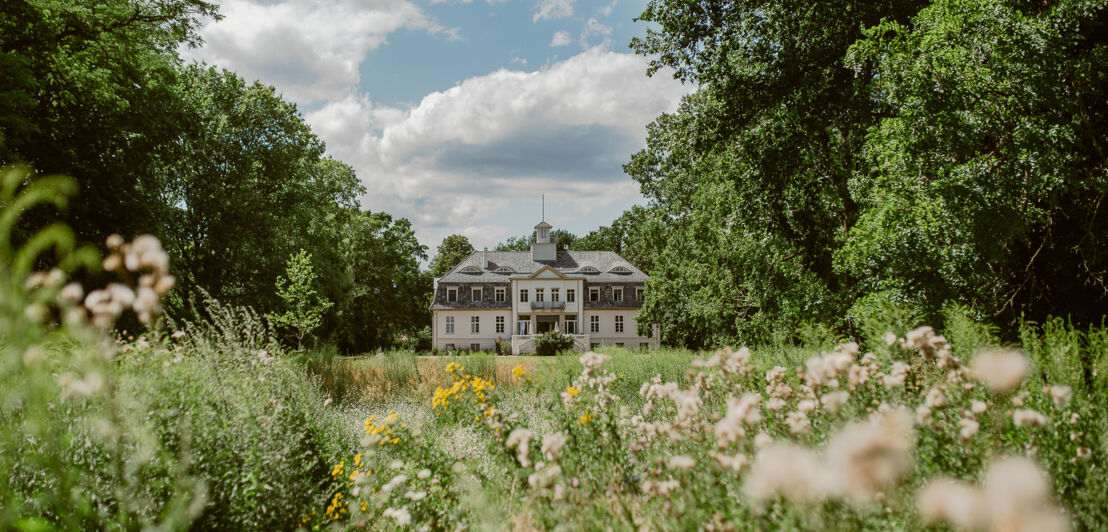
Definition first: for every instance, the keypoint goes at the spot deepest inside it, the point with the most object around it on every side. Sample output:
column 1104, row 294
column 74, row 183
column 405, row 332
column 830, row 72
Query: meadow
column 207, row 421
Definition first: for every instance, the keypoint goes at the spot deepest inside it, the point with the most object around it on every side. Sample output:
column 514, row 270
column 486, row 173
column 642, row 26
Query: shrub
column 552, row 343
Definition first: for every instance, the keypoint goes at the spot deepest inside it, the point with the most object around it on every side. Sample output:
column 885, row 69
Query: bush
column 552, row 343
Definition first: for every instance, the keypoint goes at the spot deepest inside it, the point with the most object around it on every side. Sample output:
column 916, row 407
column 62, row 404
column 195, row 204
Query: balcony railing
column 547, row 305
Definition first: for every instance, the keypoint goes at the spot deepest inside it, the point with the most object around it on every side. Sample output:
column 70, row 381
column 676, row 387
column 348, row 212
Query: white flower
column 978, row 407
column 798, row 423
column 935, row 398
column 832, row 401
column 416, row 496
column 890, row 338
column 593, row 360
column 520, row 439
column 867, row 456
column 1060, row 395
column 552, row 445
column 1028, row 418
column 401, row 515
column 1000, row 370
column 423, row 474
column 969, row 428
column 681, row 462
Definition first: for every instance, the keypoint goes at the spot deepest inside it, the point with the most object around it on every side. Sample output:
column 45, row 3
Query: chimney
column 485, row 259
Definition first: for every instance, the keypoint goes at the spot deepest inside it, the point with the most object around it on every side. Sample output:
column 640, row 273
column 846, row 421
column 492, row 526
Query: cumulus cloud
column 561, row 38
column 465, row 154
column 607, row 10
column 553, row 9
column 594, row 27
column 309, row 49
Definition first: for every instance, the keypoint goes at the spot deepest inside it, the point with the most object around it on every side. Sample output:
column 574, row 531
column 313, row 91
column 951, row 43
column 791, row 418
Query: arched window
column 471, row 269
column 620, row 269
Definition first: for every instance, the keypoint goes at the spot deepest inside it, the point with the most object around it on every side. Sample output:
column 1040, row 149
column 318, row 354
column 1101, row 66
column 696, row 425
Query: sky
column 461, row 114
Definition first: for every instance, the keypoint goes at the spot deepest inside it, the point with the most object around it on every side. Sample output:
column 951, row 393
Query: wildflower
column 518, row 372
column 401, row 515
column 520, row 439
column 731, row 463
column 832, row 401
column 806, row 405
column 798, row 423
column 688, row 403
column 896, row 376
column 570, row 394
column 543, row 476
column 681, row 462
column 87, row 386
column 745, row 410
column 761, row 440
column 1017, row 493
column 178, row 334
column 890, row 338
column 552, row 445
column 935, row 398
column 416, row 495
column 789, row 471
column 953, row 502
column 423, row 474
column 1084, row 452
column 977, row 407
column 923, row 415
column 1028, row 418
column 1059, row 394
column 593, row 360
column 866, row 456
column 774, row 404
column 1000, row 370
column 969, row 426
column 394, row 482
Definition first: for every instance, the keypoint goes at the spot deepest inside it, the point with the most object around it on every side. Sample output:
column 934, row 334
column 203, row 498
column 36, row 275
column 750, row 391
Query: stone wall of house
column 607, row 300
column 465, row 296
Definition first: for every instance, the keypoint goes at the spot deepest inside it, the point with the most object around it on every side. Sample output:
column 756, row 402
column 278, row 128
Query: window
column 500, row 324
column 475, row 324
column 644, row 345
column 594, row 324
column 523, row 295
column 471, row 269
column 540, row 294
column 594, row 295
column 619, row 344
column 450, row 325
column 451, row 294
column 620, row 269
column 588, row 269
column 474, row 347
column 504, row 269
column 617, row 294
column 571, row 325
column 638, row 294
column 475, row 294
column 499, row 295
column 555, row 294
column 450, row 347
column 594, row 345
column 619, row 324
column 571, row 295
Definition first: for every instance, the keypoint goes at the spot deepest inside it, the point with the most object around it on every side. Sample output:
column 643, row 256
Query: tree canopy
column 452, row 250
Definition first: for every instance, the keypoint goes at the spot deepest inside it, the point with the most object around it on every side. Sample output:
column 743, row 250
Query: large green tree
column 562, row 239
column 840, row 155
column 89, row 89
column 450, row 252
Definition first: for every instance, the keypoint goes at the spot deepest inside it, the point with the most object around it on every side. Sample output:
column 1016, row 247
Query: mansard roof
column 571, row 263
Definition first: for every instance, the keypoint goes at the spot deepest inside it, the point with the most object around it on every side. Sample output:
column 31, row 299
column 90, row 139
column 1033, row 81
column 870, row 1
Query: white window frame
column 499, row 295
column 451, row 295
column 619, row 323
column 594, row 292
column 638, row 293
column 475, row 324
column 571, row 295
column 500, row 324
column 571, row 325
column 475, row 293
column 474, row 347
column 617, row 294
column 594, row 324
column 555, row 294
column 540, row 295
column 524, row 295
column 450, row 325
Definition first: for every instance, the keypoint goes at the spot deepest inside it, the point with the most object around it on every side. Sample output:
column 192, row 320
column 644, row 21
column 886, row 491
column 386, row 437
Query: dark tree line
column 224, row 171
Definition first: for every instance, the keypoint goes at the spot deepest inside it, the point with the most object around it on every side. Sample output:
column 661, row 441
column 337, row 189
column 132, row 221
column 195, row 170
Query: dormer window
column 620, row 269
column 505, row 269
column 471, row 269
column 587, row 269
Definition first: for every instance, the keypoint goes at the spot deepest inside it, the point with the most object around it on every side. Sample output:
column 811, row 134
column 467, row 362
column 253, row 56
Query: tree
column 452, row 250
column 637, row 235
column 390, row 294
column 562, row 239
column 303, row 308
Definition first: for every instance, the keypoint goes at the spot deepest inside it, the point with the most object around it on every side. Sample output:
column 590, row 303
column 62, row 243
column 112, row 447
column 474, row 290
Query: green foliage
column 562, row 239
column 305, row 309
column 551, row 343
column 452, row 250
column 840, row 154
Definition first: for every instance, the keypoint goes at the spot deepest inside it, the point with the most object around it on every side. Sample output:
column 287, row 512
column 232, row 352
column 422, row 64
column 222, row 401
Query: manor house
column 514, row 295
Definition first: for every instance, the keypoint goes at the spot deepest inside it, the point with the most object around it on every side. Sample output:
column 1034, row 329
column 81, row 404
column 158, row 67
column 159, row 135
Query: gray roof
column 568, row 263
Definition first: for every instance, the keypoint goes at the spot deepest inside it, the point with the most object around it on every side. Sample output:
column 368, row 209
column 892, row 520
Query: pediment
column 547, row 272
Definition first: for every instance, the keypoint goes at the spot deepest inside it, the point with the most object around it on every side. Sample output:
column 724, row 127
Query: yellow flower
column 518, row 372
column 585, row 418
column 358, row 459
column 572, row 391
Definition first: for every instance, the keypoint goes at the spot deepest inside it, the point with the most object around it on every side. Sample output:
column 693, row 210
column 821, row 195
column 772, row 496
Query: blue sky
column 460, row 115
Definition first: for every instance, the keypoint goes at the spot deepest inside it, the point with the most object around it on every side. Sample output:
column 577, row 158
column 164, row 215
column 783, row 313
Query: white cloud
column 607, row 10
column 466, row 156
column 518, row 60
column 561, row 38
column 309, row 49
column 553, row 9
column 594, row 27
